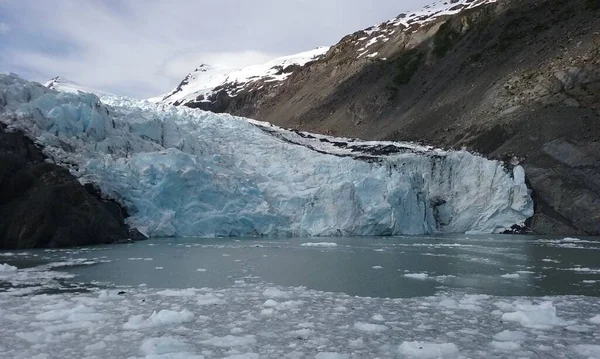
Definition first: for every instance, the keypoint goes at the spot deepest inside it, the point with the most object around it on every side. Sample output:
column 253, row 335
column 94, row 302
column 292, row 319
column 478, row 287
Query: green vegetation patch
column 408, row 64
column 445, row 39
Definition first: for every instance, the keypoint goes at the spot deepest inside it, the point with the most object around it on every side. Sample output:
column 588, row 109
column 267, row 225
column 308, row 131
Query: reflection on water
column 378, row 267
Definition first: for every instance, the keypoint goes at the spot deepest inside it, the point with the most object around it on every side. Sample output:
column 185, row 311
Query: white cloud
column 144, row 48
column 4, row 28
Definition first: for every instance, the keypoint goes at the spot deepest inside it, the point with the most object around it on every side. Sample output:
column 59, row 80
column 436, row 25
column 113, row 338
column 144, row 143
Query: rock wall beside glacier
column 184, row 172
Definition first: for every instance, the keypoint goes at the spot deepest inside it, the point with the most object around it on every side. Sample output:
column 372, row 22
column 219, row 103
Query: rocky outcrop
column 517, row 80
column 42, row 205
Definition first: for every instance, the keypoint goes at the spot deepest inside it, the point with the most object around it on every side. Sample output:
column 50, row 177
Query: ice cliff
column 185, row 172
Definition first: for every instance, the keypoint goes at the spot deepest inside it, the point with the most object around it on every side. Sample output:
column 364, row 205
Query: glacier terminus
column 186, row 172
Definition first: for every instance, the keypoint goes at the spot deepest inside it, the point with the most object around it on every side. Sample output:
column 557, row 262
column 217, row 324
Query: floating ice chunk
column 95, row 347
column 469, row 331
column 189, row 292
column 270, row 303
column 321, row 244
column 68, row 327
column 420, row 276
column 504, row 306
column 585, row 270
column 378, row 318
column 466, row 303
column 331, row 355
column 87, row 317
column 35, row 337
column 6, row 268
column 550, row 260
column 209, row 299
column 167, row 347
column 506, row 345
column 162, row 318
column 301, row 333
column 511, row 276
column 580, row 328
column 243, row 356
column 541, row 316
column 449, row 303
column 507, row 335
column 424, row 350
column 369, row 327
column 267, row 312
column 109, row 295
column 595, row 320
column 587, row 350
column 275, row 293
column 230, row 341
column 289, row 305
column 79, row 312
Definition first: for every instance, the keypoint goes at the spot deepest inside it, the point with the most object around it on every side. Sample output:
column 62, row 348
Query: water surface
column 374, row 267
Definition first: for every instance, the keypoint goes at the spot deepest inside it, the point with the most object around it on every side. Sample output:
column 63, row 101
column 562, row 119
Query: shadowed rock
column 43, row 205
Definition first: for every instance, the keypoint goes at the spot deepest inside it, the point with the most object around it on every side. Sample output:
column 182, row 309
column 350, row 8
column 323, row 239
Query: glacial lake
column 399, row 267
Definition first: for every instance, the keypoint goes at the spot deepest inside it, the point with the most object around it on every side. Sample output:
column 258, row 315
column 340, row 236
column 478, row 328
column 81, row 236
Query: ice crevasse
column 186, row 172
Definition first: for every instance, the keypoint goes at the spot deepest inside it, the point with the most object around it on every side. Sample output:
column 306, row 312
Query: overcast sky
column 143, row 48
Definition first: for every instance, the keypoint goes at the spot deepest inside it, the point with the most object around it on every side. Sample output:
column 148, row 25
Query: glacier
column 186, row 172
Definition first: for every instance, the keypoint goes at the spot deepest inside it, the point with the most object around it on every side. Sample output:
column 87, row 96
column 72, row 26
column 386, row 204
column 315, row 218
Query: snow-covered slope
column 367, row 45
column 206, row 79
column 187, row 172
column 59, row 83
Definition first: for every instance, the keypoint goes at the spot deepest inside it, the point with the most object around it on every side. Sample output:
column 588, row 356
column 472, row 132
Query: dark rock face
column 42, row 205
column 511, row 79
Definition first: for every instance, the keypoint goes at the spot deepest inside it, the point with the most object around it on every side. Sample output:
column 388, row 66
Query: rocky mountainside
column 517, row 80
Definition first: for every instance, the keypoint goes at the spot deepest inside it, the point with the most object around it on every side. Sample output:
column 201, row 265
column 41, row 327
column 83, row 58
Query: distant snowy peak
column 410, row 22
column 206, row 80
column 62, row 84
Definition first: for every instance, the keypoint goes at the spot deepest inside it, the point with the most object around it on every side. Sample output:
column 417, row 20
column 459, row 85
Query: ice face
column 185, row 172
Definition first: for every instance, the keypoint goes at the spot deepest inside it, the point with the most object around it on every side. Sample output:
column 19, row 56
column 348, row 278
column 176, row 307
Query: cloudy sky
column 143, row 48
